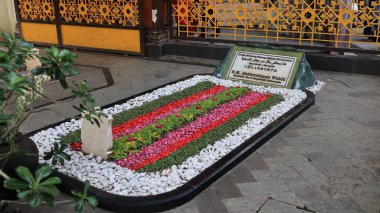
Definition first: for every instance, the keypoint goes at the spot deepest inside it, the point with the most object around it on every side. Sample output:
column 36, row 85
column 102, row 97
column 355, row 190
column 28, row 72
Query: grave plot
column 172, row 142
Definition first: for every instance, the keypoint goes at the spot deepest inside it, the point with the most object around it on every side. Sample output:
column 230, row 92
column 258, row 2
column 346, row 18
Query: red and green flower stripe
column 132, row 143
column 194, row 130
column 153, row 105
column 190, row 149
column 142, row 121
column 147, row 107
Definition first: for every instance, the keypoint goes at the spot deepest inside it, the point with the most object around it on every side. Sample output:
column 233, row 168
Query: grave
column 172, row 142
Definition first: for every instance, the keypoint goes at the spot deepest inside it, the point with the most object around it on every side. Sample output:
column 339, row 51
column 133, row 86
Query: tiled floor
column 327, row 160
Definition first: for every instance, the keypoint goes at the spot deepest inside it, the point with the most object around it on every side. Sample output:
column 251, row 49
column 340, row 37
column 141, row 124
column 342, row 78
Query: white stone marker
column 95, row 139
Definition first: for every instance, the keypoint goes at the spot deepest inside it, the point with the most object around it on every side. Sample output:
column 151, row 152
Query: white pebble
column 115, row 179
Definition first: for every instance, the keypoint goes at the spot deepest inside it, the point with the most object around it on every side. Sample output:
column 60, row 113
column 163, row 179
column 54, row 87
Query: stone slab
column 262, row 66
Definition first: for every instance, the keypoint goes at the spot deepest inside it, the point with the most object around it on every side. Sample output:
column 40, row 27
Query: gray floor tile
column 327, row 159
column 209, row 202
column 265, row 187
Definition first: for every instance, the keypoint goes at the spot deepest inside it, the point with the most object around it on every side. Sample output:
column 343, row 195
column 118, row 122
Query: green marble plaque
column 262, row 66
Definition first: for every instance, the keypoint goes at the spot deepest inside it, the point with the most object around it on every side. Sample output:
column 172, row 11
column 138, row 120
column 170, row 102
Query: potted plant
column 22, row 73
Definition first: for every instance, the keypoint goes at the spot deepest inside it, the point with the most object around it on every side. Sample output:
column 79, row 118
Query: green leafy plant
column 22, row 72
column 82, row 198
column 58, row 65
column 36, row 189
column 40, row 189
column 57, row 154
column 82, row 91
column 87, row 107
column 15, row 83
column 13, row 53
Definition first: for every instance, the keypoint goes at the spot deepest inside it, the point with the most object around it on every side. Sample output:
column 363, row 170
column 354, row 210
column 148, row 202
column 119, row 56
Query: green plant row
column 151, row 106
column 132, row 143
column 211, row 137
column 146, row 108
column 71, row 137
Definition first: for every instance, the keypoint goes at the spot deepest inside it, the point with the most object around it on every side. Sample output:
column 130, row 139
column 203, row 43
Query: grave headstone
column 268, row 66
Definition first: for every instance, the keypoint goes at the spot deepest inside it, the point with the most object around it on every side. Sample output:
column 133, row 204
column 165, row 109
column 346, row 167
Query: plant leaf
column 15, row 184
column 57, row 154
column 86, row 187
column 48, row 156
column 51, row 181
column 79, row 206
column 54, row 51
column 38, row 71
column 49, row 200
column 34, row 199
column 43, row 172
column 65, row 156
column 63, row 83
column 49, row 189
column 92, row 201
column 25, row 174
column 24, row 194
column 7, row 37
column 77, row 194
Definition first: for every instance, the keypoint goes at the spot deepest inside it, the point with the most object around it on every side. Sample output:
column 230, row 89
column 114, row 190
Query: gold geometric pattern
column 336, row 23
column 42, row 10
column 106, row 12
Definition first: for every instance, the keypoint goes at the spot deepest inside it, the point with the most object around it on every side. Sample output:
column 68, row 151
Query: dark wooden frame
column 58, row 22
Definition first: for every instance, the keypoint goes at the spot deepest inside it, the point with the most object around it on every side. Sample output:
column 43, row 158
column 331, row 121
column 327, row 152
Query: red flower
column 76, row 146
column 214, row 99
column 238, row 87
column 199, row 107
column 159, row 126
column 131, row 139
column 193, row 135
column 228, row 93
column 120, row 128
column 178, row 115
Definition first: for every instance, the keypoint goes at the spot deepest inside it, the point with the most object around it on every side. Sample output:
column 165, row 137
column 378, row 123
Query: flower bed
column 165, row 138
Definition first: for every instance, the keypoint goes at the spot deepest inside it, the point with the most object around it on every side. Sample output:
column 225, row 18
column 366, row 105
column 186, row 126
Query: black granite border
column 368, row 64
column 189, row 190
